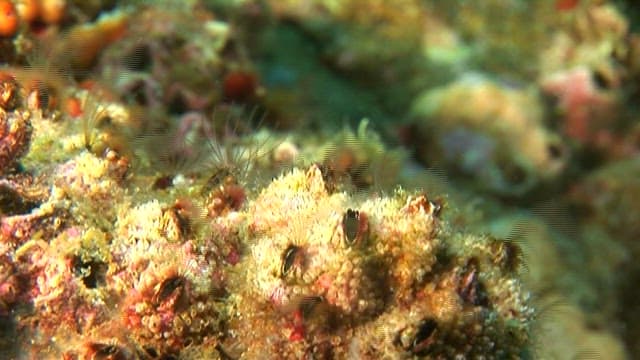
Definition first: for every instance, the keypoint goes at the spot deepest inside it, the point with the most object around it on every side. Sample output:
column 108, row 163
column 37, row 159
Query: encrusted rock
column 15, row 136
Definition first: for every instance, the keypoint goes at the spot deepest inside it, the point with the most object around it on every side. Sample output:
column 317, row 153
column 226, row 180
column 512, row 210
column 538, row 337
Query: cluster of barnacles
column 380, row 269
column 300, row 270
column 304, row 269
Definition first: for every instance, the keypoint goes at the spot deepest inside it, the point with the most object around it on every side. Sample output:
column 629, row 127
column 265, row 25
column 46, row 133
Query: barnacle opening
column 92, row 272
column 508, row 255
column 290, row 257
column 424, row 337
column 470, row 288
column 351, row 226
column 172, row 287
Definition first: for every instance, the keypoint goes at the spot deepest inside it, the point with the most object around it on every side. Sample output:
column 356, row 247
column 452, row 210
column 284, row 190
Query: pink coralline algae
column 585, row 108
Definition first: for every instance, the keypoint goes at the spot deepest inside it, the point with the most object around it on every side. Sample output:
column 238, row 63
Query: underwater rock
column 565, row 333
column 142, row 217
column 589, row 37
column 489, row 132
column 321, row 277
column 610, row 198
column 588, row 113
column 169, row 61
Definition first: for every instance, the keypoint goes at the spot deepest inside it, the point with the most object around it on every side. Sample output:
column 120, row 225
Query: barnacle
column 350, row 225
column 507, row 254
column 15, row 137
column 9, row 89
column 422, row 204
column 91, row 271
column 290, row 257
column 354, row 227
column 424, row 336
column 470, row 288
column 358, row 159
column 231, row 159
column 176, row 222
column 105, row 351
column 170, row 289
column 228, row 195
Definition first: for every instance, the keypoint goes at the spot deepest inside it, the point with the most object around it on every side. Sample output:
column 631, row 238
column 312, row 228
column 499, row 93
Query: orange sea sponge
column 28, row 10
column 52, row 11
column 48, row 11
column 8, row 19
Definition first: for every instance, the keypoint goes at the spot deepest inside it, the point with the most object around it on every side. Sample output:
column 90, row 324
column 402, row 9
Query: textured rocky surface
column 455, row 180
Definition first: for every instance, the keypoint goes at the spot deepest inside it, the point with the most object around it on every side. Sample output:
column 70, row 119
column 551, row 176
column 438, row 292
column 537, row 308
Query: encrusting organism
column 15, row 134
column 319, row 267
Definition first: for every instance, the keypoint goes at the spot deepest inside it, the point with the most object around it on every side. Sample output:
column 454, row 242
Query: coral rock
column 495, row 134
column 15, row 136
column 316, row 268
